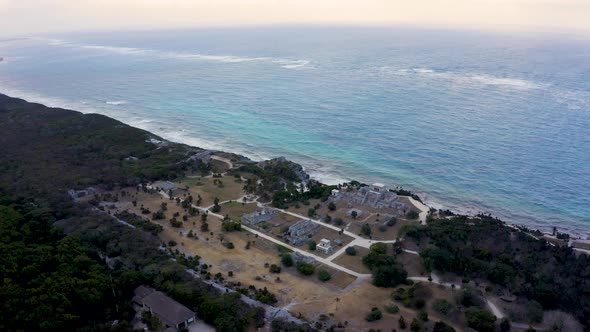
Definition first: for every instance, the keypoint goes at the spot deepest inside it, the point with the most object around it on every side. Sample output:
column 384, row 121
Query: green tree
column 423, row 315
column 442, row 327
column 412, row 215
column 480, row 320
column 366, row 230
column 392, row 221
column 378, row 248
column 443, row 307
column 331, row 206
column 402, row 323
column 392, row 308
column 305, row 268
column 374, row 315
column 311, row 245
column 324, row 275
column 350, row 251
column 287, row 260
column 389, row 275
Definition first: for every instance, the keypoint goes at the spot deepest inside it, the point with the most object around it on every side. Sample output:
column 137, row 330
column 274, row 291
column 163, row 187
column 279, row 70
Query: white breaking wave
column 290, row 64
column 513, row 82
column 116, row 102
column 283, row 63
column 463, row 78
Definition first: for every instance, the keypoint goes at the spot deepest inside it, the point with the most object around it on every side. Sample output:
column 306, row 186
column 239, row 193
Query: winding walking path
column 423, row 209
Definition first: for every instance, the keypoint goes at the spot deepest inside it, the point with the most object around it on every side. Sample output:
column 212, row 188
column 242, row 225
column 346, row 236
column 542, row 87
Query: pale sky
column 21, row 17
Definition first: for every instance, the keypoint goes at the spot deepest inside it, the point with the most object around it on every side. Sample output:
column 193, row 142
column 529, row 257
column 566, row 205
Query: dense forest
column 46, row 151
column 485, row 248
column 66, row 266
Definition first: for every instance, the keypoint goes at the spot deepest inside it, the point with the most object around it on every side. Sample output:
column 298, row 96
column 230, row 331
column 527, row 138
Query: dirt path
column 224, row 160
column 423, row 209
column 495, row 310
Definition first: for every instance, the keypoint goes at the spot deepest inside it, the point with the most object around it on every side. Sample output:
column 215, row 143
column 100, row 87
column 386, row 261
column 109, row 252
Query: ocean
column 472, row 121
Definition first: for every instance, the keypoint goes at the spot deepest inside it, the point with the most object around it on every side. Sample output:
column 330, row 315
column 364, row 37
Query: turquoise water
column 473, row 121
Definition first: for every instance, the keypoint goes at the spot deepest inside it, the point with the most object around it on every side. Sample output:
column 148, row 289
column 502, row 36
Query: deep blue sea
column 473, row 121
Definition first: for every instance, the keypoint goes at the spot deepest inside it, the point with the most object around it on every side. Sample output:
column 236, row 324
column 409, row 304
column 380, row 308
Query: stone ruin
column 301, row 232
column 376, row 196
column 261, row 215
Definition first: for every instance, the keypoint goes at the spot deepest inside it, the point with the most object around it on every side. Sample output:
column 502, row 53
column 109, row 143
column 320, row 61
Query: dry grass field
column 208, row 188
column 355, row 263
column 343, row 298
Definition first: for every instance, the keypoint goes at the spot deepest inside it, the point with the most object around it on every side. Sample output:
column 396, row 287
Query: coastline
column 325, row 178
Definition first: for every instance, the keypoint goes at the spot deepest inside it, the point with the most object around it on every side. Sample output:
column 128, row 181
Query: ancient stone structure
column 376, row 196
column 301, row 232
column 261, row 215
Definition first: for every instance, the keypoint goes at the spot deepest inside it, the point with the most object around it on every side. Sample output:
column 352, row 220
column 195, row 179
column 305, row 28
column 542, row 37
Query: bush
column 374, row 315
column 423, row 316
column 392, row 308
column 311, row 212
column 442, row 306
column 274, row 268
column 175, row 223
column 229, row 245
column 305, row 268
column 378, row 248
column 480, row 320
column 469, row 298
column 331, row 206
column 366, row 230
column 230, row 226
column 216, row 208
column 412, row 215
column 389, row 275
column 311, row 245
column 413, row 296
column 415, row 326
column 402, row 323
column 158, row 215
column 172, row 243
column 442, row 327
column 382, row 228
column 338, row 221
column 350, row 251
column 287, row 260
column 392, row 221
column 323, row 275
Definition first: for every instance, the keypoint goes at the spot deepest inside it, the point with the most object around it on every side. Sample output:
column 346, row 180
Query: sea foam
column 283, row 63
column 116, row 102
column 462, row 78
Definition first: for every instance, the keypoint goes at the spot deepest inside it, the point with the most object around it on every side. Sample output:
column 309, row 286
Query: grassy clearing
column 208, row 188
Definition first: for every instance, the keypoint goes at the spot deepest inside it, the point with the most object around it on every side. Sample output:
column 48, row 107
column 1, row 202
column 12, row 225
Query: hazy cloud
column 38, row 16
